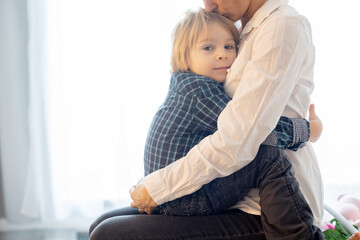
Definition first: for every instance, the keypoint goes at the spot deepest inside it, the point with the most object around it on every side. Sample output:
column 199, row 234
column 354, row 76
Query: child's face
column 213, row 53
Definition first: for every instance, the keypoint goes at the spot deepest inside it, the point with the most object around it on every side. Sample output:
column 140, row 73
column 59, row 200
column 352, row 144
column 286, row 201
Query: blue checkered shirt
column 189, row 114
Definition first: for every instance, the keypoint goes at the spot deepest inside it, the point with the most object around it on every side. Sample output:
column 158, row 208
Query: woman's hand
column 316, row 125
column 141, row 198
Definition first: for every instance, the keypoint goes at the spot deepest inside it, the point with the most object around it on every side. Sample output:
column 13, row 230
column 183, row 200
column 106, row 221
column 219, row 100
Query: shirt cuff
column 301, row 133
column 154, row 186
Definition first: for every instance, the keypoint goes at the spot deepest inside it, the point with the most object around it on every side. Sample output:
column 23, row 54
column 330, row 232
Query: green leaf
column 339, row 227
column 331, row 234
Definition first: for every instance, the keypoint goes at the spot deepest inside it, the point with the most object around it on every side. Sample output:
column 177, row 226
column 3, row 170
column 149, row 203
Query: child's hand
column 316, row 125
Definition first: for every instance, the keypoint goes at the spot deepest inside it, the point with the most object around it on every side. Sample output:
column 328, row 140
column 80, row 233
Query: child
column 204, row 48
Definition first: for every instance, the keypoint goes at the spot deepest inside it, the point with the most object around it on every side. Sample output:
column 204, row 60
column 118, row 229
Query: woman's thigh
column 126, row 211
column 233, row 224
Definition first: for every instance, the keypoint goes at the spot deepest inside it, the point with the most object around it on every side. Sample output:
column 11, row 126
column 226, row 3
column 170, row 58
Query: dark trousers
column 128, row 224
column 285, row 213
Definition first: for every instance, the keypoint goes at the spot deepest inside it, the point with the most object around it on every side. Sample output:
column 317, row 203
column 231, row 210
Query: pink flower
column 327, row 225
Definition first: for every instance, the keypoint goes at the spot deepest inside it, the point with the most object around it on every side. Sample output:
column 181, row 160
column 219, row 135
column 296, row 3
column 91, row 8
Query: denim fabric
column 285, row 212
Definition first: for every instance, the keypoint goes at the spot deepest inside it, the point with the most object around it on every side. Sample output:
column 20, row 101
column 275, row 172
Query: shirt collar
column 262, row 13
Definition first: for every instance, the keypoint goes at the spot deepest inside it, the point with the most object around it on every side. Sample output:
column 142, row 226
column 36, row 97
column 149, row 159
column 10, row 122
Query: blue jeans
column 285, row 213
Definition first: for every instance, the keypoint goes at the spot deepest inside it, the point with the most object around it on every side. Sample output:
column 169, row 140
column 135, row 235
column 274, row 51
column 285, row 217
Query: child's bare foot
column 356, row 236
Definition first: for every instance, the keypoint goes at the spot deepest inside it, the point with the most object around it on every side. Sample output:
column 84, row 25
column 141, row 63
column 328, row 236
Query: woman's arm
column 140, row 194
column 289, row 133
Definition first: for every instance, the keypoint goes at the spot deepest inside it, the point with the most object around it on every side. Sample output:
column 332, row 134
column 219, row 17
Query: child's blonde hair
column 186, row 34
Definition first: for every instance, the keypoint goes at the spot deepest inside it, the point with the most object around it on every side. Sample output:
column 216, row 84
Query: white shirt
column 272, row 76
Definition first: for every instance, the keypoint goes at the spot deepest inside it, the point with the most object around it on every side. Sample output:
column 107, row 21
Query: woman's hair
column 186, row 34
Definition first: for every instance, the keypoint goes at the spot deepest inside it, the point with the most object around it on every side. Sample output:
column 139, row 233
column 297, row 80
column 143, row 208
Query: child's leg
column 214, row 197
column 285, row 211
column 218, row 195
column 222, row 193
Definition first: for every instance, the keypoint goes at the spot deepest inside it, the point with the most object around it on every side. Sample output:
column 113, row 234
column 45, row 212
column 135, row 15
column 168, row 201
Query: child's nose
column 221, row 56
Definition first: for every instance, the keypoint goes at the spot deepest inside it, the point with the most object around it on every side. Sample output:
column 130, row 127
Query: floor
column 43, row 235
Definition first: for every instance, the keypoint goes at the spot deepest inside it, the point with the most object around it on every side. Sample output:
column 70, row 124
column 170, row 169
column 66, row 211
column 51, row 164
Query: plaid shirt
column 189, row 114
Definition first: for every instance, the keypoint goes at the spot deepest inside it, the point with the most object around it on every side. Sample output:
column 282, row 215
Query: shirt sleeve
column 266, row 85
column 290, row 133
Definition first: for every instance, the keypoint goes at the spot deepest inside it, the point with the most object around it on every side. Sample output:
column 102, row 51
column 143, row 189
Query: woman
column 272, row 76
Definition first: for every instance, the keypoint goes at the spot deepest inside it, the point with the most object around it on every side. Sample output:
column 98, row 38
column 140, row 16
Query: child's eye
column 208, row 48
column 229, row 47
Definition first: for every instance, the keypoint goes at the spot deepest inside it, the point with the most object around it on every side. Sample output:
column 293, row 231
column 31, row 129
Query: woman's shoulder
column 287, row 15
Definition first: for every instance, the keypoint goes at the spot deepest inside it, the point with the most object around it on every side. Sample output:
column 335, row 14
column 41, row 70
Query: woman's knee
column 93, row 226
column 99, row 220
column 105, row 230
column 126, row 211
